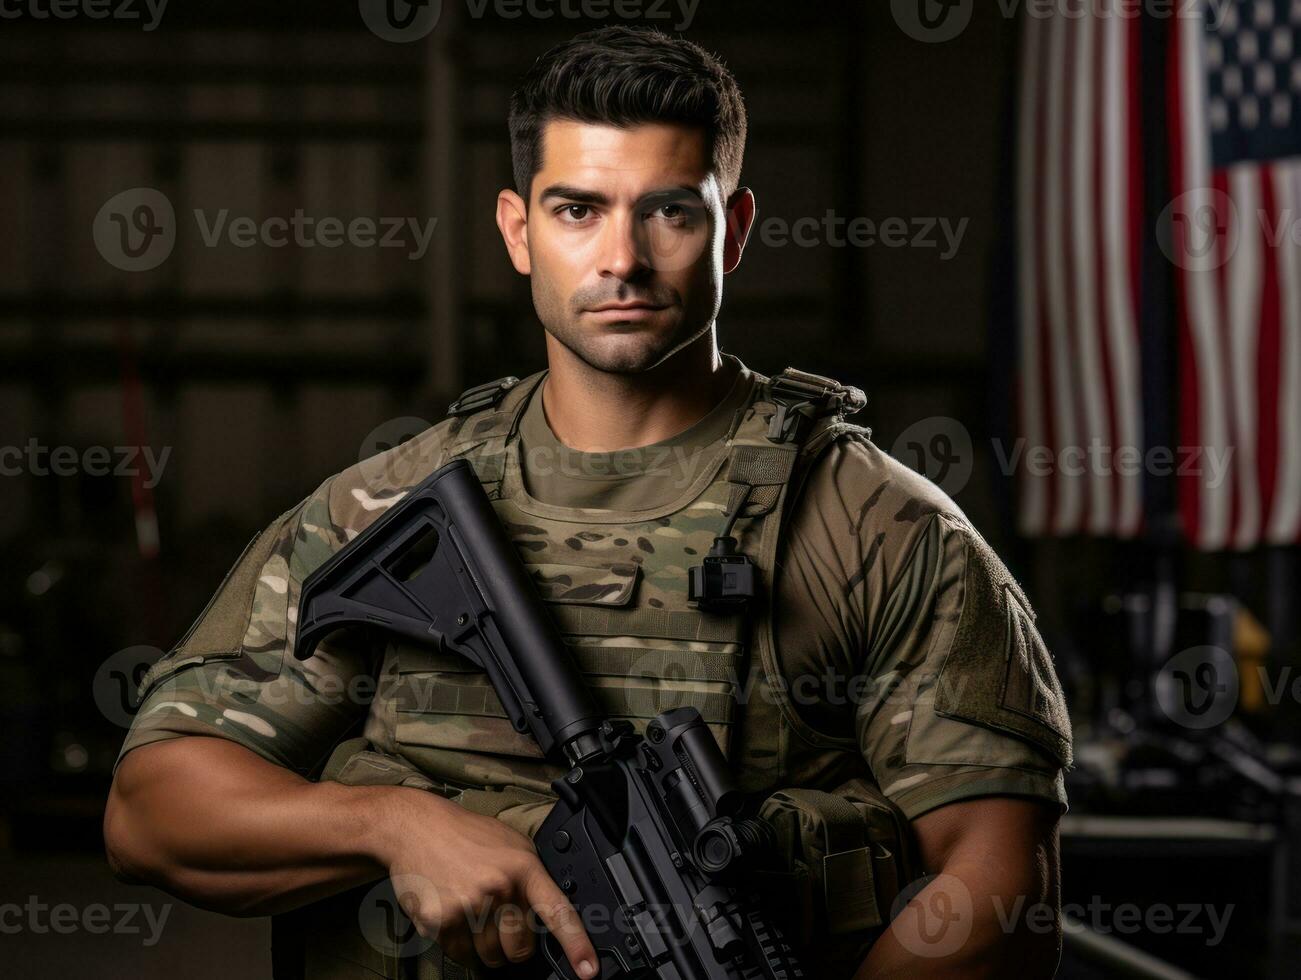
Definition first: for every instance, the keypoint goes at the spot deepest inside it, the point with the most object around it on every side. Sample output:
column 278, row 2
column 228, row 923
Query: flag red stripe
column 1224, row 207
column 1268, row 351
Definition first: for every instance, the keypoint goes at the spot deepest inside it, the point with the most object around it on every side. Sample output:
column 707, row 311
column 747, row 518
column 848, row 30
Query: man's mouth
column 624, row 307
column 635, row 312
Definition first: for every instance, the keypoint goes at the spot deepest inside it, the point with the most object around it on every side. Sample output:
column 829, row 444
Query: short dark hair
column 624, row 76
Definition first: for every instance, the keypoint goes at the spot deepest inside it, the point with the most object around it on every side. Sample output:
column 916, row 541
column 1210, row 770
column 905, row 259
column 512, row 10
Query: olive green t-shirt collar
column 640, row 478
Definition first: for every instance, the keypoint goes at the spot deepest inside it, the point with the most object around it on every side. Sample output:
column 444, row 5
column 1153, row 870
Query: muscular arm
column 216, row 824
column 994, row 905
column 212, row 822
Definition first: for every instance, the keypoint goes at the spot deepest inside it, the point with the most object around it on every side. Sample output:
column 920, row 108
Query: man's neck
column 595, row 412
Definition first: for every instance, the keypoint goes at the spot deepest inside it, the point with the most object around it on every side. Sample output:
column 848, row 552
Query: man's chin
column 622, row 361
column 623, row 351
column 626, row 347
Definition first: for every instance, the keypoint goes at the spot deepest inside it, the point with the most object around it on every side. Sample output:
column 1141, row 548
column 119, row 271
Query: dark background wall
column 284, row 358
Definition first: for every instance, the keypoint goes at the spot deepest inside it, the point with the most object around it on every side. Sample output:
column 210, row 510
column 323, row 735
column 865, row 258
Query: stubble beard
column 613, row 349
column 616, row 351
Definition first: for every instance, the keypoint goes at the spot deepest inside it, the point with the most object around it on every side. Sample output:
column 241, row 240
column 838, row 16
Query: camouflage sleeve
column 233, row 674
column 964, row 699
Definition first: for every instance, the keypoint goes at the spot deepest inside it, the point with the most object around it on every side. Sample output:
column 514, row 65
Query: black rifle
column 649, row 826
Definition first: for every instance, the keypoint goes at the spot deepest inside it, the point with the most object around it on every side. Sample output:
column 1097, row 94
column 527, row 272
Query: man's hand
column 994, row 905
column 472, row 884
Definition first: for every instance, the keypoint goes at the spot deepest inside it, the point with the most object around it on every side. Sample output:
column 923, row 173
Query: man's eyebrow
column 568, row 192
column 673, row 192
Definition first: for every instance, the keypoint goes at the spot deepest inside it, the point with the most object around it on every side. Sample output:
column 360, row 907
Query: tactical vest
column 616, row 585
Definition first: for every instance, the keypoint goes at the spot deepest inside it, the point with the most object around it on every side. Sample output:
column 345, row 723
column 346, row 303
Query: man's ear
column 513, row 222
column 738, row 220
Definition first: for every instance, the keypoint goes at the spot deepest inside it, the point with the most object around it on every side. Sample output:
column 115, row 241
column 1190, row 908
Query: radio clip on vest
column 651, row 830
column 724, row 581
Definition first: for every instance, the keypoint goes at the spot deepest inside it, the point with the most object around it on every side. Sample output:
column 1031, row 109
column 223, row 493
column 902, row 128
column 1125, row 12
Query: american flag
column 1079, row 226
column 1235, row 108
column 1232, row 232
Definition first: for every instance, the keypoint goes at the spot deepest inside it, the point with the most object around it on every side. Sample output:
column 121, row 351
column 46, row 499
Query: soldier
column 885, row 693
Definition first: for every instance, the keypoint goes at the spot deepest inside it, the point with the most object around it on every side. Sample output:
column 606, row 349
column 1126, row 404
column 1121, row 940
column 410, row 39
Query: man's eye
column 576, row 212
column 674, row 214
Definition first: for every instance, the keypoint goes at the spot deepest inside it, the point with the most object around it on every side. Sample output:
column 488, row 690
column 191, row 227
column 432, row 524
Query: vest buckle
column 482, row 396
column 801, row 397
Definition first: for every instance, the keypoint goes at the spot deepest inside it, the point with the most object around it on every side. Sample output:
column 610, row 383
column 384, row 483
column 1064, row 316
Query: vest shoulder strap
column 807, row 414
column 482, row 396
column 485, row 416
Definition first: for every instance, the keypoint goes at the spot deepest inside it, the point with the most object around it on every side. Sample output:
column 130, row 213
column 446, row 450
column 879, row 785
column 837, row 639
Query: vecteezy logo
column 400, row 21
column 384, row 923
column 933, row 916
column 115, row 683
column 1199, row 230
column 932, row 21
column 135, row 231
column 939, row 448
column 1198, row 688
column 382, row 469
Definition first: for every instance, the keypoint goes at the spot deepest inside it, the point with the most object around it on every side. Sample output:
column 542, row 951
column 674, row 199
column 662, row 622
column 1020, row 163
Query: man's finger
column 487, row 943
column 559, row 917
column 517, row 940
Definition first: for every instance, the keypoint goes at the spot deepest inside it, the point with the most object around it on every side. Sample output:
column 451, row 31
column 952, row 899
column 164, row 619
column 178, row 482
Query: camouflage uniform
column 892, row 644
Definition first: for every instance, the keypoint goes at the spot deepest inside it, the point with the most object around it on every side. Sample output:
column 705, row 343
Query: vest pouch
column 843, row 857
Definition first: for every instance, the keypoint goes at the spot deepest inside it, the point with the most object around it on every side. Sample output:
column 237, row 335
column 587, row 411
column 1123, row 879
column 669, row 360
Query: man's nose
column 624, row 249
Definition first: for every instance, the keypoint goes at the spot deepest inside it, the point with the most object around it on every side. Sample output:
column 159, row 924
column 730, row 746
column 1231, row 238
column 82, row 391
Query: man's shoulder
column 356, row 496
column 878, row 494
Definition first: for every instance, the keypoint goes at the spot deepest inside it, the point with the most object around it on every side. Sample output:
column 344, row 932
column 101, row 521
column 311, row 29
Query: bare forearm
column 214, row 823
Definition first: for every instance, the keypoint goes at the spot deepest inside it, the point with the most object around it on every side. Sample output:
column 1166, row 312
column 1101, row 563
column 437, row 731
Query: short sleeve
column 233, row 674
column 963, row 698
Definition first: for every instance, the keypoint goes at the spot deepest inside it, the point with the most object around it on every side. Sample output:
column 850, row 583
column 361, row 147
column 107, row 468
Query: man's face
column 624, row 240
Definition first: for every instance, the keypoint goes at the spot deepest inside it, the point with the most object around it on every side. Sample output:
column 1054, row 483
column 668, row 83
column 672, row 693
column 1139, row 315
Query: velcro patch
column 1017, row 693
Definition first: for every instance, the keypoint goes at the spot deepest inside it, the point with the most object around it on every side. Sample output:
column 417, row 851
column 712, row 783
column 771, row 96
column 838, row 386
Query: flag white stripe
column 1244, row 282
column 1202, row 292
column 1121, row 330
column 1087, row 362
column 1285, row 521
column 1033, row 515
column 1069, row 498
